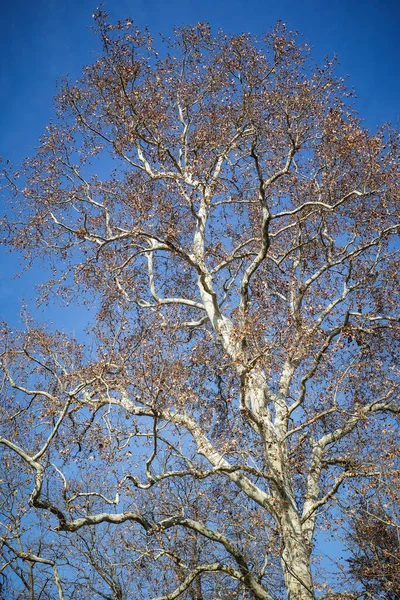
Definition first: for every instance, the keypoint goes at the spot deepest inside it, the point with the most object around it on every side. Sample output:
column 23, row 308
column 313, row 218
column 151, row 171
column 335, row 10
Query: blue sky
column 46, row 39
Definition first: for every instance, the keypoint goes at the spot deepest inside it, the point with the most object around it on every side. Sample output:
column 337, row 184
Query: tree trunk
column 297, row 571
column 295, row 557
column 296, row 549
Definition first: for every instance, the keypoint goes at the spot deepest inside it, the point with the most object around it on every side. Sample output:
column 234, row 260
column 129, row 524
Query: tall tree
column 232, row 223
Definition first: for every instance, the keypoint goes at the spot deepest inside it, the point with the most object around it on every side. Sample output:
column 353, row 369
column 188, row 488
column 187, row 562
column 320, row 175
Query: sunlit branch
column 311, row 372
column 329, row 207
column 204, row 446
column 196, row 572
column 33, row 558
column 54, row 431
column 370, row 409
column 162, row 301
column 332, row 491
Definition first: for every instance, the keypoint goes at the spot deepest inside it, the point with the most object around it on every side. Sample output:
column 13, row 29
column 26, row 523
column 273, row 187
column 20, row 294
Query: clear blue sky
column 46, row 39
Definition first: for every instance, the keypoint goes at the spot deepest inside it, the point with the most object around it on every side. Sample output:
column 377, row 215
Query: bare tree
column 233, row 224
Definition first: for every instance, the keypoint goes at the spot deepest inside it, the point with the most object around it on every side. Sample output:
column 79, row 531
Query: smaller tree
column 375, row 543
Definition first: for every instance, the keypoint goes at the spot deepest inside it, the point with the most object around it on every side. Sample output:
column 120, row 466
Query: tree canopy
column 218, row 204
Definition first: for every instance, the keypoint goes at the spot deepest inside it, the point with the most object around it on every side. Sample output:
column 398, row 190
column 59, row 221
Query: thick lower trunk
column 297, row 590
column 296, row 559
column 296, row 547
column 297, row 573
